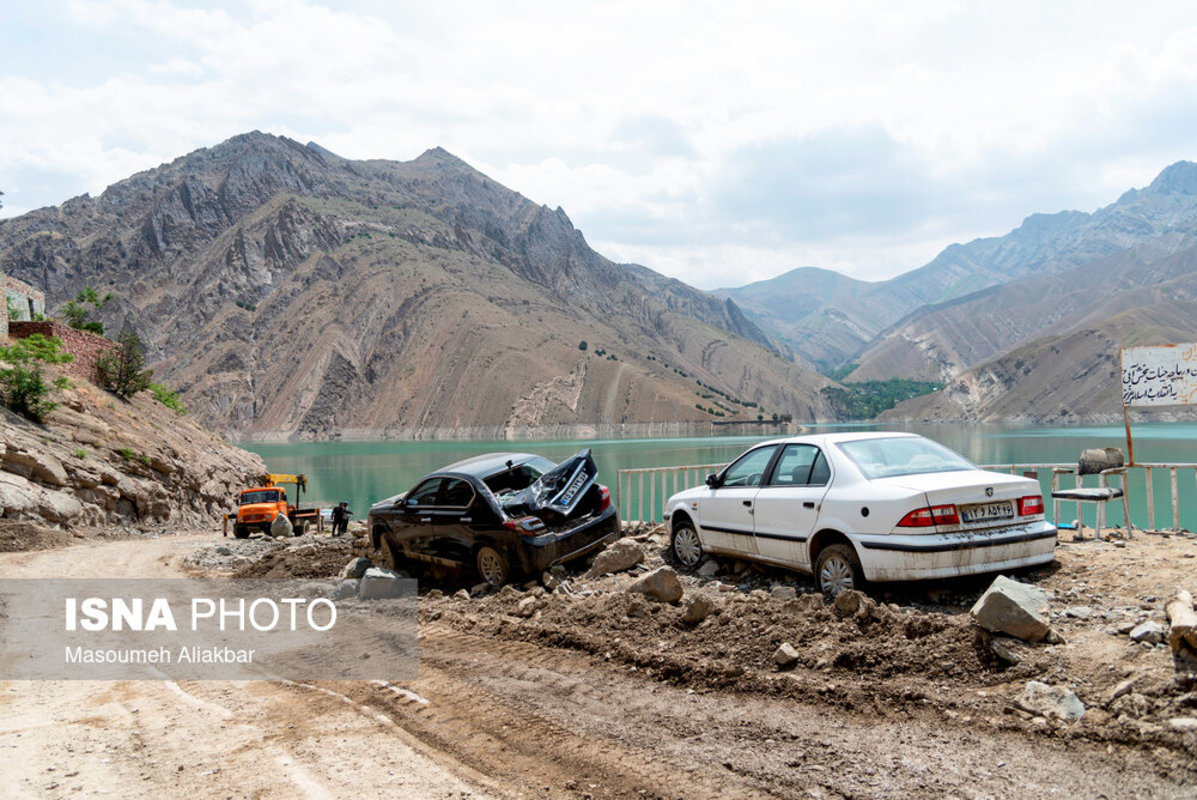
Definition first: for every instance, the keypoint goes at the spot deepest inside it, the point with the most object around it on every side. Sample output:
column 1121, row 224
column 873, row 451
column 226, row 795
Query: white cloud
column 862, row 136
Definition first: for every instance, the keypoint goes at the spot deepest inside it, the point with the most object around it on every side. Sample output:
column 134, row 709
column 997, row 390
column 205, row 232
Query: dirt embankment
column 589, row 690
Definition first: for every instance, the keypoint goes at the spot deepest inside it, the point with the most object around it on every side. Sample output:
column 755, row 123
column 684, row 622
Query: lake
column 365, row 472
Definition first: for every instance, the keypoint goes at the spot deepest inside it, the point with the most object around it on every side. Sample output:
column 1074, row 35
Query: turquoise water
column 365, row 472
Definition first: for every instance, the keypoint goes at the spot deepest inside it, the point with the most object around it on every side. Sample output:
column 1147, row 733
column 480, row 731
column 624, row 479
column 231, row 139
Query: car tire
column 685, row 545
column 491, row 565
column 241, row 531
column 838, row 569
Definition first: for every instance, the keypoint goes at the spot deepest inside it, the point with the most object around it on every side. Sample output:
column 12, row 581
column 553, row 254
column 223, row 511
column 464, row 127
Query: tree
column 78, row 312
column 121, row 369
column 23, row 381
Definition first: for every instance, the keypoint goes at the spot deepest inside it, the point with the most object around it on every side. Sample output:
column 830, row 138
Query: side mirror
column 713, row 481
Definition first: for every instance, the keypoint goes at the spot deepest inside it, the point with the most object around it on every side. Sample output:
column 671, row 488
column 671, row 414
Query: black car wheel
column 241, row 531
column 492, row 566
column 686, row 547
column 837, row 569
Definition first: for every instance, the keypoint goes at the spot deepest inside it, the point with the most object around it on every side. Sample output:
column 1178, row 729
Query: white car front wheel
column 687, row 549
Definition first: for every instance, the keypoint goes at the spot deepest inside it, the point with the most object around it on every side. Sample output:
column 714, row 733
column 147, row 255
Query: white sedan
column 856, row 507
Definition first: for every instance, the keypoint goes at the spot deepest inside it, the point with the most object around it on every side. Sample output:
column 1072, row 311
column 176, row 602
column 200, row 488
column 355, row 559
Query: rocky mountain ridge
column 290, row 293
column 869, row 322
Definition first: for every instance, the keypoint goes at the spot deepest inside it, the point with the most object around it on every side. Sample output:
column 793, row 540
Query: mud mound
column 321, row 557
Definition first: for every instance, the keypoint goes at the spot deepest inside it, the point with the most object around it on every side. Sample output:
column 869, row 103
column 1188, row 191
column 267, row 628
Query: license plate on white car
column 987, row 511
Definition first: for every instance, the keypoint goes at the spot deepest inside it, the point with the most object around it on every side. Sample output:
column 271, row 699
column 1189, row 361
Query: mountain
column 288, row 292
column 937, row 321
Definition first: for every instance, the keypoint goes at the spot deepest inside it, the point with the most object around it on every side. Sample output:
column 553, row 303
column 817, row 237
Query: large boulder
column 622, row 555
column 1013, row 608
column 379, row 584
column 281, row 528
column 660, row 584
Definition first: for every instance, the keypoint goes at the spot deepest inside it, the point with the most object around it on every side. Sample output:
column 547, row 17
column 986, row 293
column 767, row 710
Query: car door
column 411, row 524
column 725, row 512
column 453, row 521
column 787, row 506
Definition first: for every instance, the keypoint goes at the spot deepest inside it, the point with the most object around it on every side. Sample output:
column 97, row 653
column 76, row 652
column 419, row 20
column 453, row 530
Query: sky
column 718, row 143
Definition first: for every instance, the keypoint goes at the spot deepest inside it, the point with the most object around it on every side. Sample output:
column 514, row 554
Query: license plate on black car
column 987, row 511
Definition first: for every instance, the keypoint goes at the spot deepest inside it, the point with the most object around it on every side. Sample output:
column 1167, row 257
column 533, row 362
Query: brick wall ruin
column 87, row 347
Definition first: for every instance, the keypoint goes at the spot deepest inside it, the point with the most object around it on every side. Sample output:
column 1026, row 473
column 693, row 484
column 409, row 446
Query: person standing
column 340, row 519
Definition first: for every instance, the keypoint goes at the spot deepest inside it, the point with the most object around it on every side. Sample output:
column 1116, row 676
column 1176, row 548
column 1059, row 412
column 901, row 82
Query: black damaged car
column 500, row 515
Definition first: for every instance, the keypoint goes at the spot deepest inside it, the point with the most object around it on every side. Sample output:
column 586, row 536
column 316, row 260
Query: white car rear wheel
column 837, row 569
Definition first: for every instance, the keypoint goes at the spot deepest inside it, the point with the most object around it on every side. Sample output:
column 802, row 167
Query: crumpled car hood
column 558, row 491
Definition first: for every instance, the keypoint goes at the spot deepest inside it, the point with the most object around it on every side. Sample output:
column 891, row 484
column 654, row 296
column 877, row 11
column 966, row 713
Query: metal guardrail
column 641, row 493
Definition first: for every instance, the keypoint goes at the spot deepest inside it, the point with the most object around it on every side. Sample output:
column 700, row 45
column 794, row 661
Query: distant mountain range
column 288, row 292
column 291, row 293
column 1027, row 326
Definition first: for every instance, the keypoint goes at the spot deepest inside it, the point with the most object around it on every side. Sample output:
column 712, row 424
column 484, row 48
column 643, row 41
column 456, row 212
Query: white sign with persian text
column 1159, row 375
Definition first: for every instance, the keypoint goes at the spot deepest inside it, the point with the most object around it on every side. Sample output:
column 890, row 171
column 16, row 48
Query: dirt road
column 592, row 696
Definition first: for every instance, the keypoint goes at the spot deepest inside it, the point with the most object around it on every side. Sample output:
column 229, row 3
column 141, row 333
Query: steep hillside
column 877, row 323
column 1070, row 378
column 97, row 461
column 290, row 293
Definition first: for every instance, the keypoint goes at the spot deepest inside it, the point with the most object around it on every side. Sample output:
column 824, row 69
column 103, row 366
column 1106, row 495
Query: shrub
column 23, row 380
column 168, row 398
column 120, row 369
column 78, row 313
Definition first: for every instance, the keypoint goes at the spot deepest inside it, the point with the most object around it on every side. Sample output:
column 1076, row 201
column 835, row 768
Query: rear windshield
column 261, row 496
column 885, row 458
column 518, row 476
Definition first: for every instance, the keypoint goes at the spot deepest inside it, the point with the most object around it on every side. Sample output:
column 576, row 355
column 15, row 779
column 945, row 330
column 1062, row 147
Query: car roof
column 486, row 464
column 840, row 436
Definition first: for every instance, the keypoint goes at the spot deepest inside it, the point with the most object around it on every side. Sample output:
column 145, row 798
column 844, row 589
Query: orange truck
column 258, row 506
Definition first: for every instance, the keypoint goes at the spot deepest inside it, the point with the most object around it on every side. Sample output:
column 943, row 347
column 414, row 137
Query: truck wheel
column 299, row 527
column 241, row 531
column 492, row 566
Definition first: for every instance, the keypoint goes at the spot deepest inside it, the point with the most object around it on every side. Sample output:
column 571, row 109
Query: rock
column 803, row 603
column 527, row 607
column 708, row 568
column 356, row 568
column 783, row 593
column 697, row 609
column 1150, row 632
column 851, row 602
column 1183, row 723
column 281, row 527
column 378, row 583
column 345, row 589
column 620, row 556
column 1052, row 702
column 461, row 594
column 1120, row 690
column 785, row 656
column 1005, row 653
column 1078, row 612
column 224, row 551
column 1013, row 608
column 660, row 584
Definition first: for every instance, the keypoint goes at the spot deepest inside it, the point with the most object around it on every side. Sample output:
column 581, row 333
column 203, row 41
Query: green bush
column 168, row 398
column 23, row 380
column 78, row 313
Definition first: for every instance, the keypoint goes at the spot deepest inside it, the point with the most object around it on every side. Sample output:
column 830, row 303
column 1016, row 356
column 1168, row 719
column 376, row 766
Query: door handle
column 808, row 504
column 425, row 519
column 466, row 519
column 747, row 503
